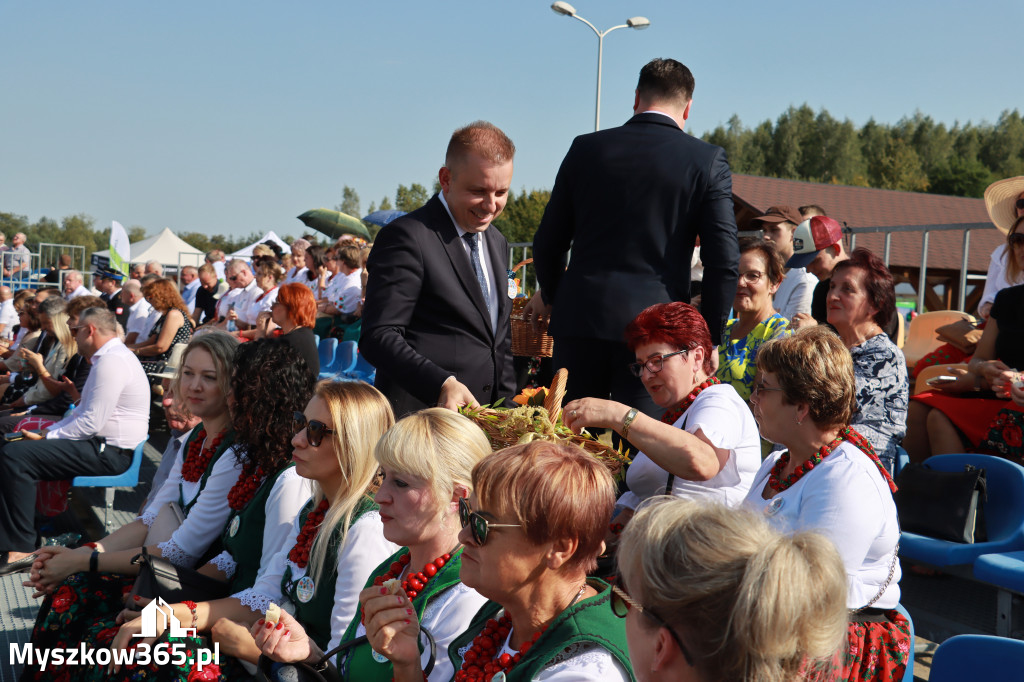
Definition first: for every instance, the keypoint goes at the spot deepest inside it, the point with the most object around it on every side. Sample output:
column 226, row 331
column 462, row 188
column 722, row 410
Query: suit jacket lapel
column 452, row 243
column 499, row 271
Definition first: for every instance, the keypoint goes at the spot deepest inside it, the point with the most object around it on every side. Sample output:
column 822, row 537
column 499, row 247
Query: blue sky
column 232, row 116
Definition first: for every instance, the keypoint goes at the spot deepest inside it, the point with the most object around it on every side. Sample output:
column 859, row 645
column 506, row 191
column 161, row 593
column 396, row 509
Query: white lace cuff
column 257, row 601
column 148, row 518
column 225, row 564
column 170, row 550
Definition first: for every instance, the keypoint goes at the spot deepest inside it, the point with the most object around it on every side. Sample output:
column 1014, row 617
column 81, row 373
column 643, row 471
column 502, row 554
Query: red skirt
column 877, row 651
column 973, row 416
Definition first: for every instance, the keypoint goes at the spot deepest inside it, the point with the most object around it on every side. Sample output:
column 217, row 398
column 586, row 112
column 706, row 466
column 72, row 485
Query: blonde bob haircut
column 435, row 445
column 360, row 415
column 748, row 602
column 221, row 347
column 813, row 367
column 555, row 491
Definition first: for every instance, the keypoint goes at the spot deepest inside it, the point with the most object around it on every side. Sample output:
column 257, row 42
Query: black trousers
column 600, row 369
column 26, row 462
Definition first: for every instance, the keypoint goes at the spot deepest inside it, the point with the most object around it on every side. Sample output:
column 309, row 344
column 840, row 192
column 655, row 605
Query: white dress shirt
column 80, row 291
column 8, row 318
column 115, row 400
column 141, row 318
column 345, row 291
column 485, row 263
column 995, row 280
column 188, row 294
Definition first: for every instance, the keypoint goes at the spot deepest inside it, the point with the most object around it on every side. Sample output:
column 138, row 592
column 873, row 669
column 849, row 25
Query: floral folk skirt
column 877, row 650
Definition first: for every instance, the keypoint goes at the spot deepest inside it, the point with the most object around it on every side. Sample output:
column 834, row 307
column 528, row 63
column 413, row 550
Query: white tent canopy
column 166, row 248
column 246, row 253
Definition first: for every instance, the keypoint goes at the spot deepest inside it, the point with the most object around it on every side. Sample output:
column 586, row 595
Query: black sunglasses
column 621, row 603
column 1015, row 239
column 478, row 525
column 315, row 430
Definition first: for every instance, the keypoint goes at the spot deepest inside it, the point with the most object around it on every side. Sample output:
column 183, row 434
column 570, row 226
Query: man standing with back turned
column 436, row 317
column 630, row 202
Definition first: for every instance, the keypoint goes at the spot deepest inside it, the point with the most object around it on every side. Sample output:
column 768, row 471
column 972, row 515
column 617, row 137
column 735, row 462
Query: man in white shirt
column 795, row 292
column 8, row 315
column 74, row 286
column 189, row 286
column 141, row 316
column 216, row 258
column 239, row 299
column 98, row 438
column 17, row 259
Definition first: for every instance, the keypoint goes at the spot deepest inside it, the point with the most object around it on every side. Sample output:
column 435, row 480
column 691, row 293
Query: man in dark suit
column 108, row 282
column 630, row 202
column 436, row 317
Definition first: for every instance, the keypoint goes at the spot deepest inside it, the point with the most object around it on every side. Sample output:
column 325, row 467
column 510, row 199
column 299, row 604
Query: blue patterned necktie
column 472, row 238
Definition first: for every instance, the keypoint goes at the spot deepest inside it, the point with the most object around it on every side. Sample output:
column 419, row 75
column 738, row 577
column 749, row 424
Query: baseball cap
column 777, row 214
column 811, row 236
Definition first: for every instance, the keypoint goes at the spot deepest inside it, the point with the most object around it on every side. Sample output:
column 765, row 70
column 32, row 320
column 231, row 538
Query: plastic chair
column 363, row 371
column 1004, row 514
column 977, row 657
column 908, row 674
column 1006, row 572
column 326, row 350
column 901, row 329
column 921, row 337
column 344, row 360
column 902, row 460
column 127, row 479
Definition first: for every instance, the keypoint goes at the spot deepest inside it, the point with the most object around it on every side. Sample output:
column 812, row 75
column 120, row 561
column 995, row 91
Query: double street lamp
column 634, row 22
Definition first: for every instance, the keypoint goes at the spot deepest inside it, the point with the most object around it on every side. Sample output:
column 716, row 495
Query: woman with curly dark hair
column 268, row 385
column 173, row 327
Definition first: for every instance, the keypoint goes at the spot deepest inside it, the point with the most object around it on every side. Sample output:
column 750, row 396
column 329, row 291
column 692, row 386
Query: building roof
column 860, row 207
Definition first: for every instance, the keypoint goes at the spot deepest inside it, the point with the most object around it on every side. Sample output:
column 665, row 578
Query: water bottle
column 231, row 323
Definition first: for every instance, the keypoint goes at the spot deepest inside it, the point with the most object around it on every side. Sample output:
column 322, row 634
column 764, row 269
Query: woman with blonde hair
column 52, row 363
column 712, row 593
column 829, row 479
column 427, row 459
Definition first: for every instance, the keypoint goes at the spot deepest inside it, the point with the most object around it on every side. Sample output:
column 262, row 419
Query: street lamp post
column 638, row 23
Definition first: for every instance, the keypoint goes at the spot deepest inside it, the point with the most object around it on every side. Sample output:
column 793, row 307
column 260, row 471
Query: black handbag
column 158, row 577
column 323, row 671
column 946, row 505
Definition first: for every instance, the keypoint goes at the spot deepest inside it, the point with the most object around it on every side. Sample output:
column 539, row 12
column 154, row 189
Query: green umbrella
column 335, row 223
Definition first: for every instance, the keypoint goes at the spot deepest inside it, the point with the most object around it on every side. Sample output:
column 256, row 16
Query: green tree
column 899, row 167
column 522, row 214
column 410, row 198
column 960, row 177
column 349, row 202
column 385, row 205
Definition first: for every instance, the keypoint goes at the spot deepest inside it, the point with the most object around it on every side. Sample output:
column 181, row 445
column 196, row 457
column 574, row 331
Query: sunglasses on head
column 621, row 603
column 479, row 527
column 315, row 430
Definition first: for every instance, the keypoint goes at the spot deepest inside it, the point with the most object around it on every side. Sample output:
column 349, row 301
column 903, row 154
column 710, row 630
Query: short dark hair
column 811, row 210
column 665, row 79
column 483, row 138
column 774, row 267
column 877, row 281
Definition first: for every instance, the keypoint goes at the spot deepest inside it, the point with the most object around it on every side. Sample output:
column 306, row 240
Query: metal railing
column 525, row 249
column 40, row 262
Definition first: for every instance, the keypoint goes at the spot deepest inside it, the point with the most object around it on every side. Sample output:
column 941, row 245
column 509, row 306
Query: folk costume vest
column 243, row 535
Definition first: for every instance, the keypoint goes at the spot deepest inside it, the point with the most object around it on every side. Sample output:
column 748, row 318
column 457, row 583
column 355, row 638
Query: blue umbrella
column 382, row 218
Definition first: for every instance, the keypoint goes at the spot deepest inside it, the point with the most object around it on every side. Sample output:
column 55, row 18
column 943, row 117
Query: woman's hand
column 964, row 381
column 803, row 321
column 68, row 386
column 287, row 642
column 125, row 638
column 32, row 435
column 235, row 640
column 998, row 375
column 54, row 564
column 391, row 625
column 1017, row 390
column 602, row 414
column 33, row 360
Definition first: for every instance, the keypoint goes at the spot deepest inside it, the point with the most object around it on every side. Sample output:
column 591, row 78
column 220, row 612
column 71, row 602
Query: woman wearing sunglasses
column 706, row 443
column 943, row 420
column 426, row 459
column 528, row 546
column 86, row 585
column 268, row 385
column 710, row 593
column 1004, row 200
column 830, row 480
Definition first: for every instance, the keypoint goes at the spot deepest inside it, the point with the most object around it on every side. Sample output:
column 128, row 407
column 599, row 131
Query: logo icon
column 159, row 609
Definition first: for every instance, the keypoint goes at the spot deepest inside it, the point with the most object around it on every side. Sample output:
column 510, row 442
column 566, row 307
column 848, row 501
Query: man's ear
column 444, row 176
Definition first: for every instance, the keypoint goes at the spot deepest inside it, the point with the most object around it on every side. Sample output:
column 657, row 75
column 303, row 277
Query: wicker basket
column 525, row 341
column 505, row 427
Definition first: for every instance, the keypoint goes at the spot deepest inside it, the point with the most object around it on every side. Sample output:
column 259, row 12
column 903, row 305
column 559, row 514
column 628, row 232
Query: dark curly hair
column 270, row 382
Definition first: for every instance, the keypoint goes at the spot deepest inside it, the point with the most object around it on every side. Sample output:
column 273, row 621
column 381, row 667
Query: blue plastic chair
column 344, row 360
column 1004, row 514
column 977, row 657
column 908, row 674
column 363, row 371
column 1006, row 572
column 128, row 479
column 902, row 460
column 326, row 350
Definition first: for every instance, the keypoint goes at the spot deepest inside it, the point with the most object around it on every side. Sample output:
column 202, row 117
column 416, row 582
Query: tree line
column 916, row 154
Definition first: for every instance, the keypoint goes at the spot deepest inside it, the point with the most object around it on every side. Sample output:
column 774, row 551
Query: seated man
column 98, row 438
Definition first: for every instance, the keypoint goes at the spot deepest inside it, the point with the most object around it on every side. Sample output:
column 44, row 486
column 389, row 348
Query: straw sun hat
column 1000, row 198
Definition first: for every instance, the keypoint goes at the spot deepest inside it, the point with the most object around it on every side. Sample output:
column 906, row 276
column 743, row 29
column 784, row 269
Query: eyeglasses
column 653, row 364
column 478, row 525
column 75, row 330
column 232, row 278
column 621, row 603
column 1015, row 239
column 751, row 276
column 759, row 388
column 315, row 430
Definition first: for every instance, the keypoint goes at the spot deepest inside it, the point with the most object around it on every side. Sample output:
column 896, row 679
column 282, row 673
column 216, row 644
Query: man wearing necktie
column 436, row 317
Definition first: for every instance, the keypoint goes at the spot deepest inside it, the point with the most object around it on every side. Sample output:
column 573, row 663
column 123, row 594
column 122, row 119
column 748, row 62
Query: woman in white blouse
column 427, row 459
column 830, row 480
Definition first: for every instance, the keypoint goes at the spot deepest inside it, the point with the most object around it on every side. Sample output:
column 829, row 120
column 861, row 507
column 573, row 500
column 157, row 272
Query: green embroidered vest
column 357, row 664
column 245, row 543
column 589, row 620
column 227, row 442
column 315, row 614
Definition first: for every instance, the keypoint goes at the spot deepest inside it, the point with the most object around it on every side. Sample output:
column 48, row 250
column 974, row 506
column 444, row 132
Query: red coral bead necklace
column 299, row 554
column 245, row 488
column 414, row 583
column 199, row 456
